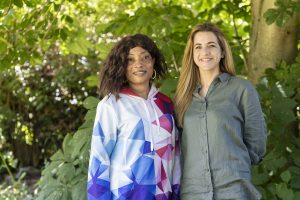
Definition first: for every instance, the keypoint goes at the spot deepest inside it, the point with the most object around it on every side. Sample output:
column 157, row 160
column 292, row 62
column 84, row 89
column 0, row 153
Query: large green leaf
column 79, row 191
column 92, row 81
column 284, row 192
column 90, row 102
column 286, row 176
column 66, row 172
column 58, row 156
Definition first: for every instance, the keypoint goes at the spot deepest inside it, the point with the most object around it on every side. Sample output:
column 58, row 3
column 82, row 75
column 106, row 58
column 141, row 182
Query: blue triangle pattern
column 138, row 132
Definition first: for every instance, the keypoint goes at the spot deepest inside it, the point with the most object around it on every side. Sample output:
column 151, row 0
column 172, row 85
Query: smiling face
column 207, row 52
column 139, row 68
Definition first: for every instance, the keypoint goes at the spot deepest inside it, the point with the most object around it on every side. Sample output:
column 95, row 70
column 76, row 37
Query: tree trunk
column 27, row 155
column 270, row 44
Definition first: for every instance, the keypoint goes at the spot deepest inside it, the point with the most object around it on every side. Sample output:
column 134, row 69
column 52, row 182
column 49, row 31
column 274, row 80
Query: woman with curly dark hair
column 135, row 147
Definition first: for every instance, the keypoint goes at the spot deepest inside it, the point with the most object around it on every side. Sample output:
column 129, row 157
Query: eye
column 198, row 47
column 130, row 60
column 147, row 57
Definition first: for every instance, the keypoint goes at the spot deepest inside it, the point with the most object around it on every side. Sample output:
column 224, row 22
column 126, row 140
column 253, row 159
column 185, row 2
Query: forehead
column 137, row 51
column 205, row 37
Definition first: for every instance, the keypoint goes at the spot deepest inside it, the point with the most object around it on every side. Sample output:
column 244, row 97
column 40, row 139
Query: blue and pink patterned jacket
column 135, row 149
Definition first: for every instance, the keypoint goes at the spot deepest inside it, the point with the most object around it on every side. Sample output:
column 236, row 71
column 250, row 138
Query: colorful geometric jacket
column 135, row 149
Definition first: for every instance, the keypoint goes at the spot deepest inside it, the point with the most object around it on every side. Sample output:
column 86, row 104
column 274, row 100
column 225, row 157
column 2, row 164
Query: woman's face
column 139, row 68
column 207, row 52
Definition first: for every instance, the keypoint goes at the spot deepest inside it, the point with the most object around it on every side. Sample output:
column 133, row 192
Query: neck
column 141, row 90
column 207, row 77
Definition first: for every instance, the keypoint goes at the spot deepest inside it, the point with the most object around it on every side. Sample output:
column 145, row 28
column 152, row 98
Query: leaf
column 168, row 86
column 4, row 4
column 286, row 176
column 297, row 195
column 79, row 191
column 18, row 3
column 80, row 138
column 4, row 45
column 104, row 49
column 90, row 115
column 284, row 192
column 295, row 183
column 57, row 156
column 296, row 157
column 294, row 170
column 260, row 179
column 67, row 144
column 92, row 81
column 31, row 3
column 66, row 172
column 90, row 102
column 283, row 109
column 63, row 34
column 282, row 19
column 79, row 45
column 271, row 15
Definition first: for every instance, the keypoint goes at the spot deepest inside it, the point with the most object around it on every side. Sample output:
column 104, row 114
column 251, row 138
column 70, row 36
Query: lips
column 140, row 72
column 205, row 59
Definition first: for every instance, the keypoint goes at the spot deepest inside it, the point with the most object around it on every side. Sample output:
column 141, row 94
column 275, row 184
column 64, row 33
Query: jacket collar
column 128, row 91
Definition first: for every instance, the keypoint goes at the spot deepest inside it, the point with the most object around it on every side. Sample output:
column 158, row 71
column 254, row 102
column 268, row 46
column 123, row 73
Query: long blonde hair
column 190, row 74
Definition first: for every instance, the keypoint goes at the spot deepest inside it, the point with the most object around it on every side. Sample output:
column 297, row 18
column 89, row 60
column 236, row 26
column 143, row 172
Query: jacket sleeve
column 102, row 144
column 176, row 168
column 255, row 133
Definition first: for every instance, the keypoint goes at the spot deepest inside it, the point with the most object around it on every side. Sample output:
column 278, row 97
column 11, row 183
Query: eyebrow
column 144, row 52
column 211, row 42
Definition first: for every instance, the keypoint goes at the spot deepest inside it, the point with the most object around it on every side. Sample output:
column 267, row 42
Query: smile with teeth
column 140, row 72
column 206, row 59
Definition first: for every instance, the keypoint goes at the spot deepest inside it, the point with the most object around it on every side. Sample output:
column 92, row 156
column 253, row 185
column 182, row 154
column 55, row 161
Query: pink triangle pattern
column 165, row 152
column 165, row 122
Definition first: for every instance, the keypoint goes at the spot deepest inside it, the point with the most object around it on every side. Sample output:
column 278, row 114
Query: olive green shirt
column 223, row 134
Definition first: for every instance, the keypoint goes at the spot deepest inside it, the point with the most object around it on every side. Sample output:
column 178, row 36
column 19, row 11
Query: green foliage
column 278, row 177
column 17, row 191
column 50, row 52
column 65, row 176
column 283, row 11
column 38, row 103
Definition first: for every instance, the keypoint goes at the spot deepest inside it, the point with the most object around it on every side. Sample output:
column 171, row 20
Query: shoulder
column 164, row 103
column 241, row 83
column 163, row 97
column 107, row 101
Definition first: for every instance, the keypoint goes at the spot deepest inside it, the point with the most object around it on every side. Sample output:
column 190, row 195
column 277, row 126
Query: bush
column 278, row 177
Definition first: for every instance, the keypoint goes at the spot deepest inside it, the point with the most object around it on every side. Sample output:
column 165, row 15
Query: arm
column 255, row 133
column 102, row 144
column 177, row 167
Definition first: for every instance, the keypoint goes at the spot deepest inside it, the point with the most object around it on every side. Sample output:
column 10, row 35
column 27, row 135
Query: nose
column 205, row 51
column 138, row 63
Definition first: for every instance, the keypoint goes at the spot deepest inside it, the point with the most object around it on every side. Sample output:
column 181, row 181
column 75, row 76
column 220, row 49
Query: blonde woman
column 224, row 131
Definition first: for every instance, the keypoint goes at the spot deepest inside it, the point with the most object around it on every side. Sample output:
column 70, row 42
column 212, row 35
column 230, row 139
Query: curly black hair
column 113, row 71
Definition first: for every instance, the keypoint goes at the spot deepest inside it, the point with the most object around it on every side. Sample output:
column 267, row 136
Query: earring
column 154, row 72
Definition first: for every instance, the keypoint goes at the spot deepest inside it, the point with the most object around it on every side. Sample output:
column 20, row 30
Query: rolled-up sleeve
column 255, row 132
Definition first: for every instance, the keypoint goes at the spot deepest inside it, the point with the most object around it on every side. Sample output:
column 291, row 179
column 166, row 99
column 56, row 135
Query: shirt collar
column 222, row 78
